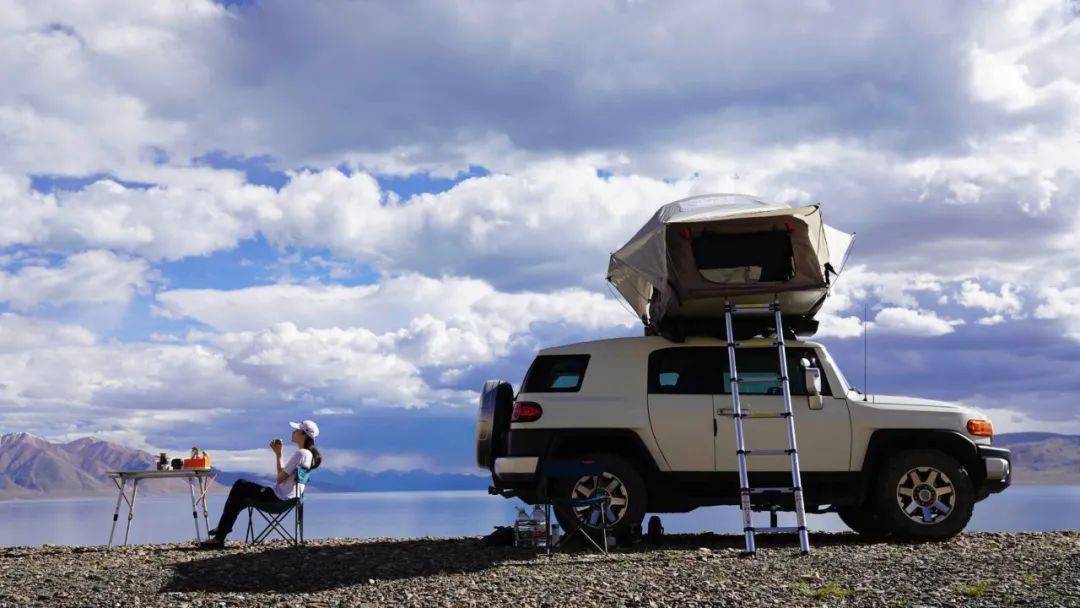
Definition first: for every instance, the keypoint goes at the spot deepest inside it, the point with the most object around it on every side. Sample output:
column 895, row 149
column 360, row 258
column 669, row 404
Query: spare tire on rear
column 493, row 422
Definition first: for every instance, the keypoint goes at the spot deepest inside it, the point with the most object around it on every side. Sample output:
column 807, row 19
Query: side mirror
column 812, row 378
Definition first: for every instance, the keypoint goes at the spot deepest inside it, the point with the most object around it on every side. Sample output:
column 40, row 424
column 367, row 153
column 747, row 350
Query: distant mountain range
column 1043, row 458
column 31, row 467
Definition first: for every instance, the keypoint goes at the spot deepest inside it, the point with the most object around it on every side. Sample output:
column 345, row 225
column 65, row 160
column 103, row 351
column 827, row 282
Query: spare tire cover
column 493, row 422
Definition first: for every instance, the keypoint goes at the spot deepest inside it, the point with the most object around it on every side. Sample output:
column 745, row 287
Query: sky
column 218, row 217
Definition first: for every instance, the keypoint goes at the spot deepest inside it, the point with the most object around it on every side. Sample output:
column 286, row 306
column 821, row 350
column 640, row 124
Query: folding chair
column 596, row 507
column 274, row 513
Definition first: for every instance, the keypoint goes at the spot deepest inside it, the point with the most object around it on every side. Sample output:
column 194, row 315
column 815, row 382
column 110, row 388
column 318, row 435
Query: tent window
column 755, row 257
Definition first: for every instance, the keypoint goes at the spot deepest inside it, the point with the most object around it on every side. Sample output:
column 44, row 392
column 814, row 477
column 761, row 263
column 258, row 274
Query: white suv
column 657, row 415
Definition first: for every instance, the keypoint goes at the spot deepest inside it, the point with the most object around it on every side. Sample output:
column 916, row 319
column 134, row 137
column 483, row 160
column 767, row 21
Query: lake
column 409, row 514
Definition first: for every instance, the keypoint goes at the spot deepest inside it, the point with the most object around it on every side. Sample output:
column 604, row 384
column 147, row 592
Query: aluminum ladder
column 745, row 489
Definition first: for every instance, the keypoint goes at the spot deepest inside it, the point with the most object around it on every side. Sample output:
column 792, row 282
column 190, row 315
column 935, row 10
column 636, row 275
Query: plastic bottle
column 538, row 514
column 521, row 528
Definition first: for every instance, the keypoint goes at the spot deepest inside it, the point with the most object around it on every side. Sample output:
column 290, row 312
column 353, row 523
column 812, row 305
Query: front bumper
column 997, row 463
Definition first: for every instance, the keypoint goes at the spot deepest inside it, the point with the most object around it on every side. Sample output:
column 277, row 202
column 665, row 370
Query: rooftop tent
column 695, row 253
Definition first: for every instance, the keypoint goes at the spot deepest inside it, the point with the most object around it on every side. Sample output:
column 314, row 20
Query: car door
column 681, row 392
column 823, row 435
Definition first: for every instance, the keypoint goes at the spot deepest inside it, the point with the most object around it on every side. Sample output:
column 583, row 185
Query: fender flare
column 621, row 442
column 886, row 442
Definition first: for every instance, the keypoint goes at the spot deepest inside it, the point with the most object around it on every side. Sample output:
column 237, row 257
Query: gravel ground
column 1035, row 569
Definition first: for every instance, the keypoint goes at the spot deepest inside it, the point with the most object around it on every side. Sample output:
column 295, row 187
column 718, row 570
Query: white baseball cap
column 308, row 426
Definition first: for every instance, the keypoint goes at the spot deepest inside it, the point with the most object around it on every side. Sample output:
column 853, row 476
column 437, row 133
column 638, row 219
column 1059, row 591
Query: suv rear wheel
column 924, row 495
column 621, row 482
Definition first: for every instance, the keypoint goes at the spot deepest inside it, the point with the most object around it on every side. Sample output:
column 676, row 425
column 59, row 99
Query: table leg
column 120, row 483
column 195, row 510
column 131, row 508
column 204, row 487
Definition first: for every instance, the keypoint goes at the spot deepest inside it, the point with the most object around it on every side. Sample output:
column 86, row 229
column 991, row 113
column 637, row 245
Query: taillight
column 525, row 411
column 980, row 427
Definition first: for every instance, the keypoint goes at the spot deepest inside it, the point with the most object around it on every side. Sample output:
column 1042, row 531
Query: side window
column 556, row 374
column 757, row 363
column 686, row 370
column 763, row 363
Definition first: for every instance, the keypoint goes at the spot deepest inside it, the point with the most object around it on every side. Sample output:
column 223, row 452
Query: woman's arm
column 280, row 473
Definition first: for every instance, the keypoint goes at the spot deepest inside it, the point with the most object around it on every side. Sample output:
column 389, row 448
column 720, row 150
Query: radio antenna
column 865, row 352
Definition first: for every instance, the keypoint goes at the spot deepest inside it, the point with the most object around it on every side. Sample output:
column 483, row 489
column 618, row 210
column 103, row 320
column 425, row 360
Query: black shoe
column 212, row 543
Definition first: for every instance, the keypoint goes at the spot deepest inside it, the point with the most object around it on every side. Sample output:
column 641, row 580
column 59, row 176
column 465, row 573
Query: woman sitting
column 245, row 492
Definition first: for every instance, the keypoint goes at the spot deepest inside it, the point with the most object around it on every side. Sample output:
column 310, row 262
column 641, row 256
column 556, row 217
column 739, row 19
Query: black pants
column 242, row 492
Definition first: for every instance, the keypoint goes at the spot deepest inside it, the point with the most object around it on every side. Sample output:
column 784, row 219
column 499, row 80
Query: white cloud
column 946, row 138
column 1061, row 304
column 337, row 460
column 19, row 333
column 87, row 277
column 552, row 223
column 1009, row 420
column 195, row 212
column 904, row 321
column 341, row 366
column 1006, row 302
column 445, row 321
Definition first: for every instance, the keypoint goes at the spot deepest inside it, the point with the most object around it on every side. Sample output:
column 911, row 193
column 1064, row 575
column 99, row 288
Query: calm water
column 163, row 519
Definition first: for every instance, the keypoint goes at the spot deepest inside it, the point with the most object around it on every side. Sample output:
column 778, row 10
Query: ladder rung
column 769, row 379
column 752, row 308
column 766, row 489
column 768, row 452
column 767, row 415
column 774, row 529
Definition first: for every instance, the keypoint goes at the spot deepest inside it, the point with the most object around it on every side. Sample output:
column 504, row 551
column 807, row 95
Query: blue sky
column 216, row 217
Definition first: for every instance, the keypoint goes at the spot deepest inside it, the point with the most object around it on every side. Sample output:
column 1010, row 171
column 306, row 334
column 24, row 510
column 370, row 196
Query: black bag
column 502, row 536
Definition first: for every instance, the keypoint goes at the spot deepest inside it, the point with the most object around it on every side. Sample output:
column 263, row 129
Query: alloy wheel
column 605, row 514
column 926, row 495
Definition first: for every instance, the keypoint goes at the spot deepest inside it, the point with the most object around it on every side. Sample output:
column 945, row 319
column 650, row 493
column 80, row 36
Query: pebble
column 979, row 569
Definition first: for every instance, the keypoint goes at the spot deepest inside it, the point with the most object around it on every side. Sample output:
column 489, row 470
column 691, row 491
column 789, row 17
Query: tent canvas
column 695, row 253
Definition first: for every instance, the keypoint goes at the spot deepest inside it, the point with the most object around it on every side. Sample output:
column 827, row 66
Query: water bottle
column 538, row 514
column 522, row 533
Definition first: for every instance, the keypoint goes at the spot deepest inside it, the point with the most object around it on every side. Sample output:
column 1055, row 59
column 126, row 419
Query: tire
column 493, row 422
column 924, row 495
column 628, row 499
column 864, row 521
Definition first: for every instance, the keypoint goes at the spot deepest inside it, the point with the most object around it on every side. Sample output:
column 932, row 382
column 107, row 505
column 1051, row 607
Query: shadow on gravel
column 779, row 541
column 314, row 568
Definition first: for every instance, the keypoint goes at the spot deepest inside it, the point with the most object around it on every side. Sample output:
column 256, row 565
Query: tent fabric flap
column 695, row 253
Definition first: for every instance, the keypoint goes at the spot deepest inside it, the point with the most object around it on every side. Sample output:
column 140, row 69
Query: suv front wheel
column 620, row 514
column 924, row 495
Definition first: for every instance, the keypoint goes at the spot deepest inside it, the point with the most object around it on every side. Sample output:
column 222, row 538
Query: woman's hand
column 276, row 446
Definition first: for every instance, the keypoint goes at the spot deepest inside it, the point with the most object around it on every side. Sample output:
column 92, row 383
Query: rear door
column 823, row 435
column 681, row 384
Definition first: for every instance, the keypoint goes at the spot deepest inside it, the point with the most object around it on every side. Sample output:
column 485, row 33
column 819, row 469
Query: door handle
column 714, row 427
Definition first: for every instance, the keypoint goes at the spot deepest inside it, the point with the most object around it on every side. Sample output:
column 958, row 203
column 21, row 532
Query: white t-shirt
column 288, row 489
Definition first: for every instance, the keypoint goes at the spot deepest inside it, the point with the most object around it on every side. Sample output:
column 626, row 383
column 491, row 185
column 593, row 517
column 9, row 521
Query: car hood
column 916, row 401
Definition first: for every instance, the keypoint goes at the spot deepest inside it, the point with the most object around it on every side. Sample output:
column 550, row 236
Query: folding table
column 200, row 478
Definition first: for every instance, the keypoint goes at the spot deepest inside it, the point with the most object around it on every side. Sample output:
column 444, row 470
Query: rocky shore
column 1031, row 569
